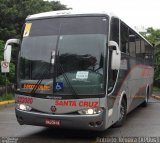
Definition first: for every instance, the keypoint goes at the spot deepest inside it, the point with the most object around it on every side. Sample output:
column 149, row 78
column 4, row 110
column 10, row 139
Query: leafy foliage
column 6, row 97
column 153, row 35
column 157, row 65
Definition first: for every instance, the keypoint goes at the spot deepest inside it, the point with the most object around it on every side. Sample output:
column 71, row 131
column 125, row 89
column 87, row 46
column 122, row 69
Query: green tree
column 157, row 66
column 152, row 35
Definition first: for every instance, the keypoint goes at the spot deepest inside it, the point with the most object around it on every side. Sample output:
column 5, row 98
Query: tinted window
column 138, row 45
column 83, row 25
column 114, row 34
column 79, row 44
column 44, row 27
column 81, row 50
column 142, row 46
column 124, row 38
column 148, row 53
column 132, row 48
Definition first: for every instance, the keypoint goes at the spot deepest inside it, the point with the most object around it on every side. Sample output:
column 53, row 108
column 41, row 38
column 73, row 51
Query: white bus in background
column 80, row 70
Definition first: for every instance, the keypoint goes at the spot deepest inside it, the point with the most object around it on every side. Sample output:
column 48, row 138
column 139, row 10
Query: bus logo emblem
column 53, row 108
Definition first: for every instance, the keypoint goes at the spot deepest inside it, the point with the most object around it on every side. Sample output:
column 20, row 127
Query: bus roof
column 67, row 13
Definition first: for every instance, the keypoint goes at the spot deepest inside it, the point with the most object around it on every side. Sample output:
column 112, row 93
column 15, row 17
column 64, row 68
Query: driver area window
column 114, row 36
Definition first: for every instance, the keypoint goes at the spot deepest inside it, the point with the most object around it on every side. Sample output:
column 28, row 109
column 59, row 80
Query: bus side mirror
column 7, row 54
column 116, row 55
column 8, row 49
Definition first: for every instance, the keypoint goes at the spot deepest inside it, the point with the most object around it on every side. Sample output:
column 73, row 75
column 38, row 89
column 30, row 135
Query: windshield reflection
column 79, row 44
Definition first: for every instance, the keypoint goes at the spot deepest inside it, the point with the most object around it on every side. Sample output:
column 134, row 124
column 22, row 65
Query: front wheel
column 123, row 113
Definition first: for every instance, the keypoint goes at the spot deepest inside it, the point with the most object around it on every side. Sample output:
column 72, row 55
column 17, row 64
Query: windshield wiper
column 44, row 75
column 52, row 59
column 63, row 73
column 66, row 78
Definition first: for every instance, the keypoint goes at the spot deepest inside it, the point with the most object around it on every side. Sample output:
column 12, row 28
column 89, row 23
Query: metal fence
column 10, row 89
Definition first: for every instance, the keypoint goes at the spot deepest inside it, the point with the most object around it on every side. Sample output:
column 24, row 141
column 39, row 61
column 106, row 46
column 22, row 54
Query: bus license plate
column 52, row 122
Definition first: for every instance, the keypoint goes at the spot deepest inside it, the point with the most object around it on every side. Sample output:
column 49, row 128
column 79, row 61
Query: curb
column 7, row 102
column 156, row 97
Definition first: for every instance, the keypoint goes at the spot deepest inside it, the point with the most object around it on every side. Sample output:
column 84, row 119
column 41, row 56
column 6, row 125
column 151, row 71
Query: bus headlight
column 23, row 107
column 90, row 111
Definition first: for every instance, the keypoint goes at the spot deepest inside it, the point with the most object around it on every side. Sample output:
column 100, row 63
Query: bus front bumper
column 86, row 122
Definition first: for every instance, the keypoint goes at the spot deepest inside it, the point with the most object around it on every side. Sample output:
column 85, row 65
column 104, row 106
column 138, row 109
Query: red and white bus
column 83, row 70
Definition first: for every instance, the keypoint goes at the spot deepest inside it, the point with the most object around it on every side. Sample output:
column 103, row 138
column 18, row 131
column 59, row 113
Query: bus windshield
column 79, row 45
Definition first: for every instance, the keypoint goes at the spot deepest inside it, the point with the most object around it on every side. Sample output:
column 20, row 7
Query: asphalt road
column 142, row 122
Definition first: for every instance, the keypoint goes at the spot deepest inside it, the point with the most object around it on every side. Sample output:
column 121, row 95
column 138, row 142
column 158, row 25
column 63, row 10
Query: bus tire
column 123, row 113
column 144, row 104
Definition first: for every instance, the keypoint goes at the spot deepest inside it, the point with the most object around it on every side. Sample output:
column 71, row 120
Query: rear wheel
column 123, row 112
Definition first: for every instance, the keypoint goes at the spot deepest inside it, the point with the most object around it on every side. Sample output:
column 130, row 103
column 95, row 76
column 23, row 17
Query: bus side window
column 142, row 49
column 138, row 47
column 132, row 44
column 148, row 54
column 124, row 38
column 114, row 36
